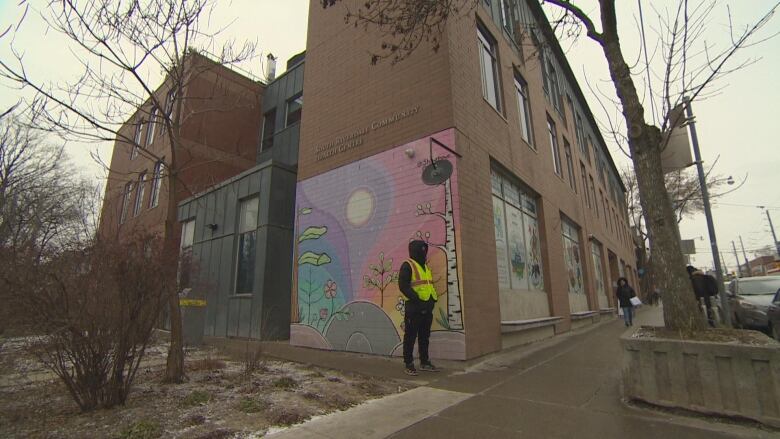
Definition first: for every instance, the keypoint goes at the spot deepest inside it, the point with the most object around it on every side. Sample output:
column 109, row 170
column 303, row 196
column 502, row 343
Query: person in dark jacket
column 704, row 287
column 416, row 284
column 624, row 294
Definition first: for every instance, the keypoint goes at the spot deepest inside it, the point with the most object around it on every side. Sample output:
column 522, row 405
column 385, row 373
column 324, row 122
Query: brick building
column 218, row 112
column 528, row 235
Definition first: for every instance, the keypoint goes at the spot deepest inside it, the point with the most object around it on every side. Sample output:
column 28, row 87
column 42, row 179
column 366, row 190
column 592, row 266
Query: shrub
column 196, row 397
column 142, row 430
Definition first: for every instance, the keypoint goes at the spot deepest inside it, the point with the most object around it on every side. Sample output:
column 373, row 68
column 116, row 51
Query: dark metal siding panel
column 243, row 188
column 234, row 304
column 219, row 210
column 277, row 284
column 199, row 211
column 210, row 201
column 255, row 313
column 231, row 204
column 265, row 188
column 201, row 253
column 225, row 284
column 244, row 316
column 282, row 198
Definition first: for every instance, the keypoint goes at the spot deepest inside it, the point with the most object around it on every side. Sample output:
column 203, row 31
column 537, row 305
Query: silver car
column 774, row 316
column 750, row 298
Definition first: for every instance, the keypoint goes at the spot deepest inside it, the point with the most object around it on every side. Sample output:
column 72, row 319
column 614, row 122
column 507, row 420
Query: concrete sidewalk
column 566, row 388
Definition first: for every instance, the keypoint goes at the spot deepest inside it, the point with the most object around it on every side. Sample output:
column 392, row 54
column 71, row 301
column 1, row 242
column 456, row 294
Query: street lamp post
column 726, row 314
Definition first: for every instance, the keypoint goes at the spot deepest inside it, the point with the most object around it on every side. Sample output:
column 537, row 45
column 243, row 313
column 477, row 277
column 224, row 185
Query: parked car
column 750, row 298
column 773, row 315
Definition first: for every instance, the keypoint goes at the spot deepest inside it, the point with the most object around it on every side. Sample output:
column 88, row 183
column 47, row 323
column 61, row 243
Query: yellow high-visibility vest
column 422, row 281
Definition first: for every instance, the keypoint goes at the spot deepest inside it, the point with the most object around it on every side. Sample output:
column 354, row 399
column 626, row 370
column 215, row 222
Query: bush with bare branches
column 95, row 308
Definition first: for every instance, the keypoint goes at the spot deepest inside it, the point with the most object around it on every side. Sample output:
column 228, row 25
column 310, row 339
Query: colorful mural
column 353, row 227
column 572, row 258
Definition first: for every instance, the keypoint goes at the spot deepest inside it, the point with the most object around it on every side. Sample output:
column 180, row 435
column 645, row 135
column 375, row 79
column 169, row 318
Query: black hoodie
column 418, row 251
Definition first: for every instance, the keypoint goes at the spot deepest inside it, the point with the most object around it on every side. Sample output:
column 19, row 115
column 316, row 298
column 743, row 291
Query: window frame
column 524, row 109
column 137, row 138
column 287, row 113
column 128, row 190
column 569, row 164
column 243, row 230
column 139, row 194
column 267, row 139
column 157, row 175
column 150, row 129
column 487, row 44
column 552, row 132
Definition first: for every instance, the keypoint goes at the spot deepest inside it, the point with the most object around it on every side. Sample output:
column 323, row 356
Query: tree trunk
column 680, row 310
column 174, row 370
column 454, row 309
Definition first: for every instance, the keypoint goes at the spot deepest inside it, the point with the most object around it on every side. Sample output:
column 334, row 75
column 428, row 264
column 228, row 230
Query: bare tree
column 120, row 45
column 691, row 68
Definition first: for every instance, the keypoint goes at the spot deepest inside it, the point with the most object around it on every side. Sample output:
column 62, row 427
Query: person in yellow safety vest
column 416, row 284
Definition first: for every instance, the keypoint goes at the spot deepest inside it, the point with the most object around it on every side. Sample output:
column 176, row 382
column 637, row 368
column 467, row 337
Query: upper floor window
column 555, row 90
column 169, row 101
column 585, row 185
column 569, row 164
column 154, row 195
column 139, row 194
column 553, row 134
column 294, row 108
column 521, row 89
column 269, row 124
column 139, row 131
column 128, row 190
column 488, row 60
column 150, row 129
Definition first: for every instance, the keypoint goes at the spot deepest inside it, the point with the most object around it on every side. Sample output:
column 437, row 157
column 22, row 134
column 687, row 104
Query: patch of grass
column 286, row 416
column 371, row 388
column 142, row 430
column 195, row 420
column 339, row 402
column 253, row 405
column 313, row 396
column 285, row 383
column 197, row 397
column 208, row 363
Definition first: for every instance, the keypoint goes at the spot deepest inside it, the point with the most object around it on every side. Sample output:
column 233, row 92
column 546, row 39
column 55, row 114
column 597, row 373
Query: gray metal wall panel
column 277, row 284
column 260, row 275
column 233, row 316
column 244, row 316
column 265, row 189
column 198, row 209
column 243, row 188
column 219, row 211
column 210, row 201
column 225, row 286
column 231, row 200
column 201, row 254
column 210, row 294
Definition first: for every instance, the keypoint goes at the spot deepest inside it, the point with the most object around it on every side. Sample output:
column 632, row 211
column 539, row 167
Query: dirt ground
column 220, row 400
column 717, row 335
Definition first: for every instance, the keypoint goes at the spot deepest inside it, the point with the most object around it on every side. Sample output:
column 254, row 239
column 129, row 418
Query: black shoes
column 410, row 370
column 428, row 367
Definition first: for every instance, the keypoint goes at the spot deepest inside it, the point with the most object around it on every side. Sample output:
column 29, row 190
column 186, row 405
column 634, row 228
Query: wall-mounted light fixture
column 212, row 226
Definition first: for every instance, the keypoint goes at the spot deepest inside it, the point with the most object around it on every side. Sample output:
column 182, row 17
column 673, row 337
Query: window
column 578, row 128
column 126, row 201
column 150, row 130
column 585, row 185
column 554, row 145
column 489, row 64
column 569, row 164
column 154, row 196
column 269, row 123
column 139, row 194
column 169, row 101
column 294, row 108
column 590, row 145
column 139, row 129
column 521, row 89
column 555, row 90
column 185, row 254
column 593, row 195
column 518, row 243
column 572, row 256
column 598, row 270
column 247, row 243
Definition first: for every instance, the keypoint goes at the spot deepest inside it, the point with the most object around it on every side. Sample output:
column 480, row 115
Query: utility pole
column 774, row 237
column 744, row 255
column 726, row 316
column 736, row 257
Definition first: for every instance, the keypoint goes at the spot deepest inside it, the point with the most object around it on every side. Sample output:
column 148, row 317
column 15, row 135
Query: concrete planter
column 721, row 378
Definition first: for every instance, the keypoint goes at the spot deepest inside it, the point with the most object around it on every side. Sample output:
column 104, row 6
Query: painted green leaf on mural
column 304, row 211
column 314, row 259
column 312, row 233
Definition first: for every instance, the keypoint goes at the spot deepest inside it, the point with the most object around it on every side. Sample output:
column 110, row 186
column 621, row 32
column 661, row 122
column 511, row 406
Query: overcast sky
column 738, row 125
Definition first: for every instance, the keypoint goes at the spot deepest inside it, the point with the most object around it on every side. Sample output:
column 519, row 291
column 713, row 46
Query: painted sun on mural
column 353, row 226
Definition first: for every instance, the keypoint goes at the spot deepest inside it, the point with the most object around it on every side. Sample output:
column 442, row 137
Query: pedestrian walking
column 415, row 281
column 704, row 287
column 624, row 294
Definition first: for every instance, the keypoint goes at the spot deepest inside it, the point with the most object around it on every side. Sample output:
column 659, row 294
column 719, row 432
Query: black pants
column 417, row 325
column 708, row 308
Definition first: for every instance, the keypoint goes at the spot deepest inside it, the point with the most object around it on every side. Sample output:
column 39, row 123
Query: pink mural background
column 353, row 227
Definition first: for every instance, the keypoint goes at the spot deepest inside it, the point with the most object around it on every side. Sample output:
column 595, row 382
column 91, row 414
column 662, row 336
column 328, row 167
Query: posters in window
column 499, row 223
column 516, row 247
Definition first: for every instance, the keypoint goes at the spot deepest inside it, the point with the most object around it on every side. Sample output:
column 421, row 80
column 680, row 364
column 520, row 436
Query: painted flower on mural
column 330, row 289
column 399, row 306
column 324, row 313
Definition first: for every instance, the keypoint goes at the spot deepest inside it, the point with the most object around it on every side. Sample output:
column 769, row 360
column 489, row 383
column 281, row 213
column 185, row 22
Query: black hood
column 418, row 250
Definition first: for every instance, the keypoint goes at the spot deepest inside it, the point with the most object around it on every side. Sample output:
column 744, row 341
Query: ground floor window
column 572, row 256
column 518, row 242
column 247, row 245
column 595, row 251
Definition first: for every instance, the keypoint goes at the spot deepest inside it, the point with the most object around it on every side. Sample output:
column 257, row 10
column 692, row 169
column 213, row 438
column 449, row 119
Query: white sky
column 736, row 125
